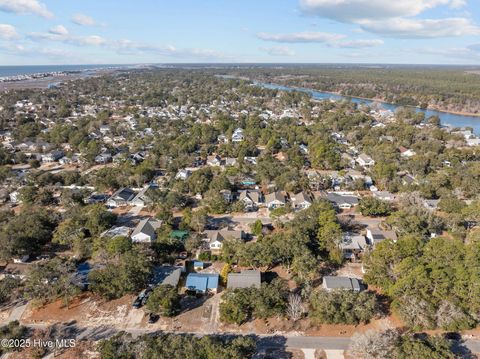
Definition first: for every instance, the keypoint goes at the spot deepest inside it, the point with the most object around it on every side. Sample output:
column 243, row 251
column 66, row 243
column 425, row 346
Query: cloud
column 278, row 51
column 58, row 30
column 419, row 28
column 25, row 7
column 355, row 10
column 8, row 32
column 474, row 47
column 301, row 37
column 129, row 47
column 61, row 34
column 329, row 39
column 83, row 20
column 358, row 44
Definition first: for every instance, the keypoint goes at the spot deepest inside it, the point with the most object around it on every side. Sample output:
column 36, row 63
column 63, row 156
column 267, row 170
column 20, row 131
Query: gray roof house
column 365, row 161
column 275, row 200
column 244, row 279
column 384, row 195
column 251, row 198
column 375, row 236
column 166, row 275
column 344, row 283
column 142, row 199
column 353, row 245
column 342, row 201
column 121, row 197
column 302, row 200
column 145, row 231
column 215, row 238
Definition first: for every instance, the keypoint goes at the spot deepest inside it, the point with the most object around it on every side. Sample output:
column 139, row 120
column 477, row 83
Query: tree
column 431, row 347
column 164, row 300
column 257, row 227
column 26, row 233
column 227, row 268
column 330, row 235
column 295, row 307
column 8, row 286
column 235, row 306
column 124, row 274
column 371, row 206
column 343, row 307
column 374, row 345
column 51, row 280
column 199, row 220
column 118, row 245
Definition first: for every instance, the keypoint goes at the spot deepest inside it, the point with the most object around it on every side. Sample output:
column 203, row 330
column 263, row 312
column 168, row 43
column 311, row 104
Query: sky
column 45, row 32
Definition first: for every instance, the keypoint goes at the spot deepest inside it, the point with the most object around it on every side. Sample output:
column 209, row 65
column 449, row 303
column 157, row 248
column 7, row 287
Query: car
column 182, row 255
column 137, row 303
column 152, row 318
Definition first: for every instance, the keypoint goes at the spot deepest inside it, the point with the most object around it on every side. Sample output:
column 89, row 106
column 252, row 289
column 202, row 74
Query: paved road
column 263, row 341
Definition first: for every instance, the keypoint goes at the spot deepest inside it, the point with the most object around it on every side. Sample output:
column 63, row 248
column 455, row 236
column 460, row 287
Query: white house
column 238, row 135
column 365, row 160
column 275, row 200
column 302, row 200
column 145, row 231
column 183, row 174
column 215, row 238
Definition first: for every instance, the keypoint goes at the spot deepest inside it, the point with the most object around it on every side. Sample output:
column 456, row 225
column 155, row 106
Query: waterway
column 446, row 118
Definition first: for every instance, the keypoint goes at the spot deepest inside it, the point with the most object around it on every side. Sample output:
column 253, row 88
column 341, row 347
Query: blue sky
column 170, row 31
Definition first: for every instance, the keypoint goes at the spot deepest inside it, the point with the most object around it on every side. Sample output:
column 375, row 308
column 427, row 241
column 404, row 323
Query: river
column 446, row 118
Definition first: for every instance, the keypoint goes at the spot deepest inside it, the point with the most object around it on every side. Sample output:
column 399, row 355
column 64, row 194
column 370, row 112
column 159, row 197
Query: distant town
column 255, row 222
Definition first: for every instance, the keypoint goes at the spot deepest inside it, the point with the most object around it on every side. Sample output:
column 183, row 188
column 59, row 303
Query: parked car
column 152, row 318
column 137, row 303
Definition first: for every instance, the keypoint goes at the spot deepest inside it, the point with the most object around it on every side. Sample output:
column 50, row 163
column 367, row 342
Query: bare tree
column 449, row 313
column 295, row 308
column 373, row 344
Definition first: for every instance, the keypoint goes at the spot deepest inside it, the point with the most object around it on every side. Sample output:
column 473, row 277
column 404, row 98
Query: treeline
column 450, row 89
column 177, row 346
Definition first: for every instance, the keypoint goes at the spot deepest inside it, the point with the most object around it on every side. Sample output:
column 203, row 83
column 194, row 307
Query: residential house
column 214, row 160
column 183, row 174
column 198, row 265
column 103, row 158
column 341, row 283
column 275, row 200
column 203, row 283
column 145, row 231
column 250, row 159
column 244, row 279
column 227, row 195
column 406, row 153
column 238, row 135
column 96, row 198
column 353, row 245
column 365, row 160
column 251, row 199
column 302, row 200
column 230, row 161
column 222, row 139
column 375, row 236
column 215, row 238
column 166, row 275
column 52, row 156
column 142, row 198
column 342, row 201
column 14, row 197
column 121, row 198
column 303, row 149
column 384, row 196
